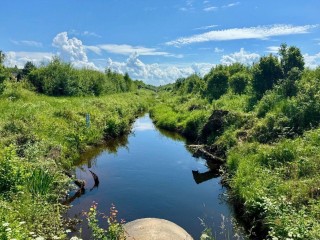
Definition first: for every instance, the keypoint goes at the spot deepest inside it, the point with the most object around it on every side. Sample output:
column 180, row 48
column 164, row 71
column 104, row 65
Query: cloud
column 206, row 27
column 218, row 50
column 210, row 9
column 188, row 6
column 273, row 49
column 214, row 8
column 125, row 49
column 28, row 43
column 72, row 49
column 156, row 74
column 242, row 56
column 92, row 34
column 260, row 32
column 84, row 33
column 231, row 5
column 94, row 49
column 312, row 61
column 19, row 59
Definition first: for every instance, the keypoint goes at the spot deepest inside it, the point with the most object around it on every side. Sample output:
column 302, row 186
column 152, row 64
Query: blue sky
column 156, row 41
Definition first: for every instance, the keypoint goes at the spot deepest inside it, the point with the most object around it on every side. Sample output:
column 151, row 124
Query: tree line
column 58, row 78
column 256, row 79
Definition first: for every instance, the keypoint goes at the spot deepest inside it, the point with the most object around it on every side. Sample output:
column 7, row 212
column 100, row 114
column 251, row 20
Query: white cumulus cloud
column 19, row 59
column 156, row 74
column 242, row 57
column 259, row 32
column 72, row 49
column 312, row 61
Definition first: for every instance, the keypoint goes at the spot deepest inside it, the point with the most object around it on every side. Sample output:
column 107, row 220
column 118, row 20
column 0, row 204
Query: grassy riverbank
column 40, row 138
column 264, row 121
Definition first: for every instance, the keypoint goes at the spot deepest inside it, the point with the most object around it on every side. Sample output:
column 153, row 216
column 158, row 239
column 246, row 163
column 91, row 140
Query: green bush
column 62, row 79
column 217, row 83
column 238, row 82
column 266, row 73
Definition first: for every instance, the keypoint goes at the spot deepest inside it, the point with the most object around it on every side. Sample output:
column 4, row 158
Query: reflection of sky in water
column 158, row 178
column 142, row 125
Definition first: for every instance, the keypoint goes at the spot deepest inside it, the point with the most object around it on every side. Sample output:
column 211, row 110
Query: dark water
column 149, row 174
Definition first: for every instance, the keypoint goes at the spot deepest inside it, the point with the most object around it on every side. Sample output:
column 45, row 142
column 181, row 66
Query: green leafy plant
column 115, row 230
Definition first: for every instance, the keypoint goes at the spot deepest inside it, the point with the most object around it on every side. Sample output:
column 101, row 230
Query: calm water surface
column 149, row 174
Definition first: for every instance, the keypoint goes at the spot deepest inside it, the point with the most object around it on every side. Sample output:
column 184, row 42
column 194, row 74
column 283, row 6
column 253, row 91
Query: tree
column 4, row 74
column 28, row 67
column 235, row 68
column 217, row 83
column 238, row 82
column 266, row 73
column 2, row 57
column 128, row 81
column 290, row 58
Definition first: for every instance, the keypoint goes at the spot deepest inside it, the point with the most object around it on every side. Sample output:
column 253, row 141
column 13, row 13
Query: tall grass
column 40, row 138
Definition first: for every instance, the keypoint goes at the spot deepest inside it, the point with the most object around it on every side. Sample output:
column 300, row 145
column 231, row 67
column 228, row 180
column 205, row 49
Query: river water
column 149, row 173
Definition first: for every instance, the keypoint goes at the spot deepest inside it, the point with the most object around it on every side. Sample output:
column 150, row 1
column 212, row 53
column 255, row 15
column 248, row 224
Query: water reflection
column 95, row 179
column 89, row 157
column 158, row 177
column 202, row 177
column 142, row 125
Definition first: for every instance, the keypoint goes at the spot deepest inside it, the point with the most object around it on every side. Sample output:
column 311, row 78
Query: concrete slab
column 154, row 229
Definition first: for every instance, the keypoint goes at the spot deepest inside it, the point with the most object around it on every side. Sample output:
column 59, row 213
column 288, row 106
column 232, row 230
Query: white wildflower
column 75, row 238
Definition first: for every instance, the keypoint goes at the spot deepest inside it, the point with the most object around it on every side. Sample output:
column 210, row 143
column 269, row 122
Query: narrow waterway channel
column 150, row 173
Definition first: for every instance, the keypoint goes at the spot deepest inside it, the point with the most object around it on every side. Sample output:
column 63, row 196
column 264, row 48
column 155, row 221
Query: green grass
column 279, row 183
column 42, row 136
column 271, row 148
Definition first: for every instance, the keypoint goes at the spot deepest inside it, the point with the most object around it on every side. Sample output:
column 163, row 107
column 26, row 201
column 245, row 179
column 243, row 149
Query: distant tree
column 191, row 84
column 2, row 57
column 236, row 68
column 128, row 81
column 266, row 73
column 178, row 83
column 238, row 82
column 4, row 74
column 217, row 83
column 28, row 67
column 290, row 58
column 289, row 86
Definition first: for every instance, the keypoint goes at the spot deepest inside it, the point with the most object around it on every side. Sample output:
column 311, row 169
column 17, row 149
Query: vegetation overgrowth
column 264, row 121
column 42, row 136
column 115, row 229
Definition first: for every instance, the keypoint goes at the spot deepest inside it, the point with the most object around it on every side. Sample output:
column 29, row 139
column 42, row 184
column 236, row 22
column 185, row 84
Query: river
column 149, row 173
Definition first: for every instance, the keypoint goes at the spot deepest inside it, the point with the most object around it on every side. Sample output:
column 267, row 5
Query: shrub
column 266, row 73
column 217, row 83
column 238, row 82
